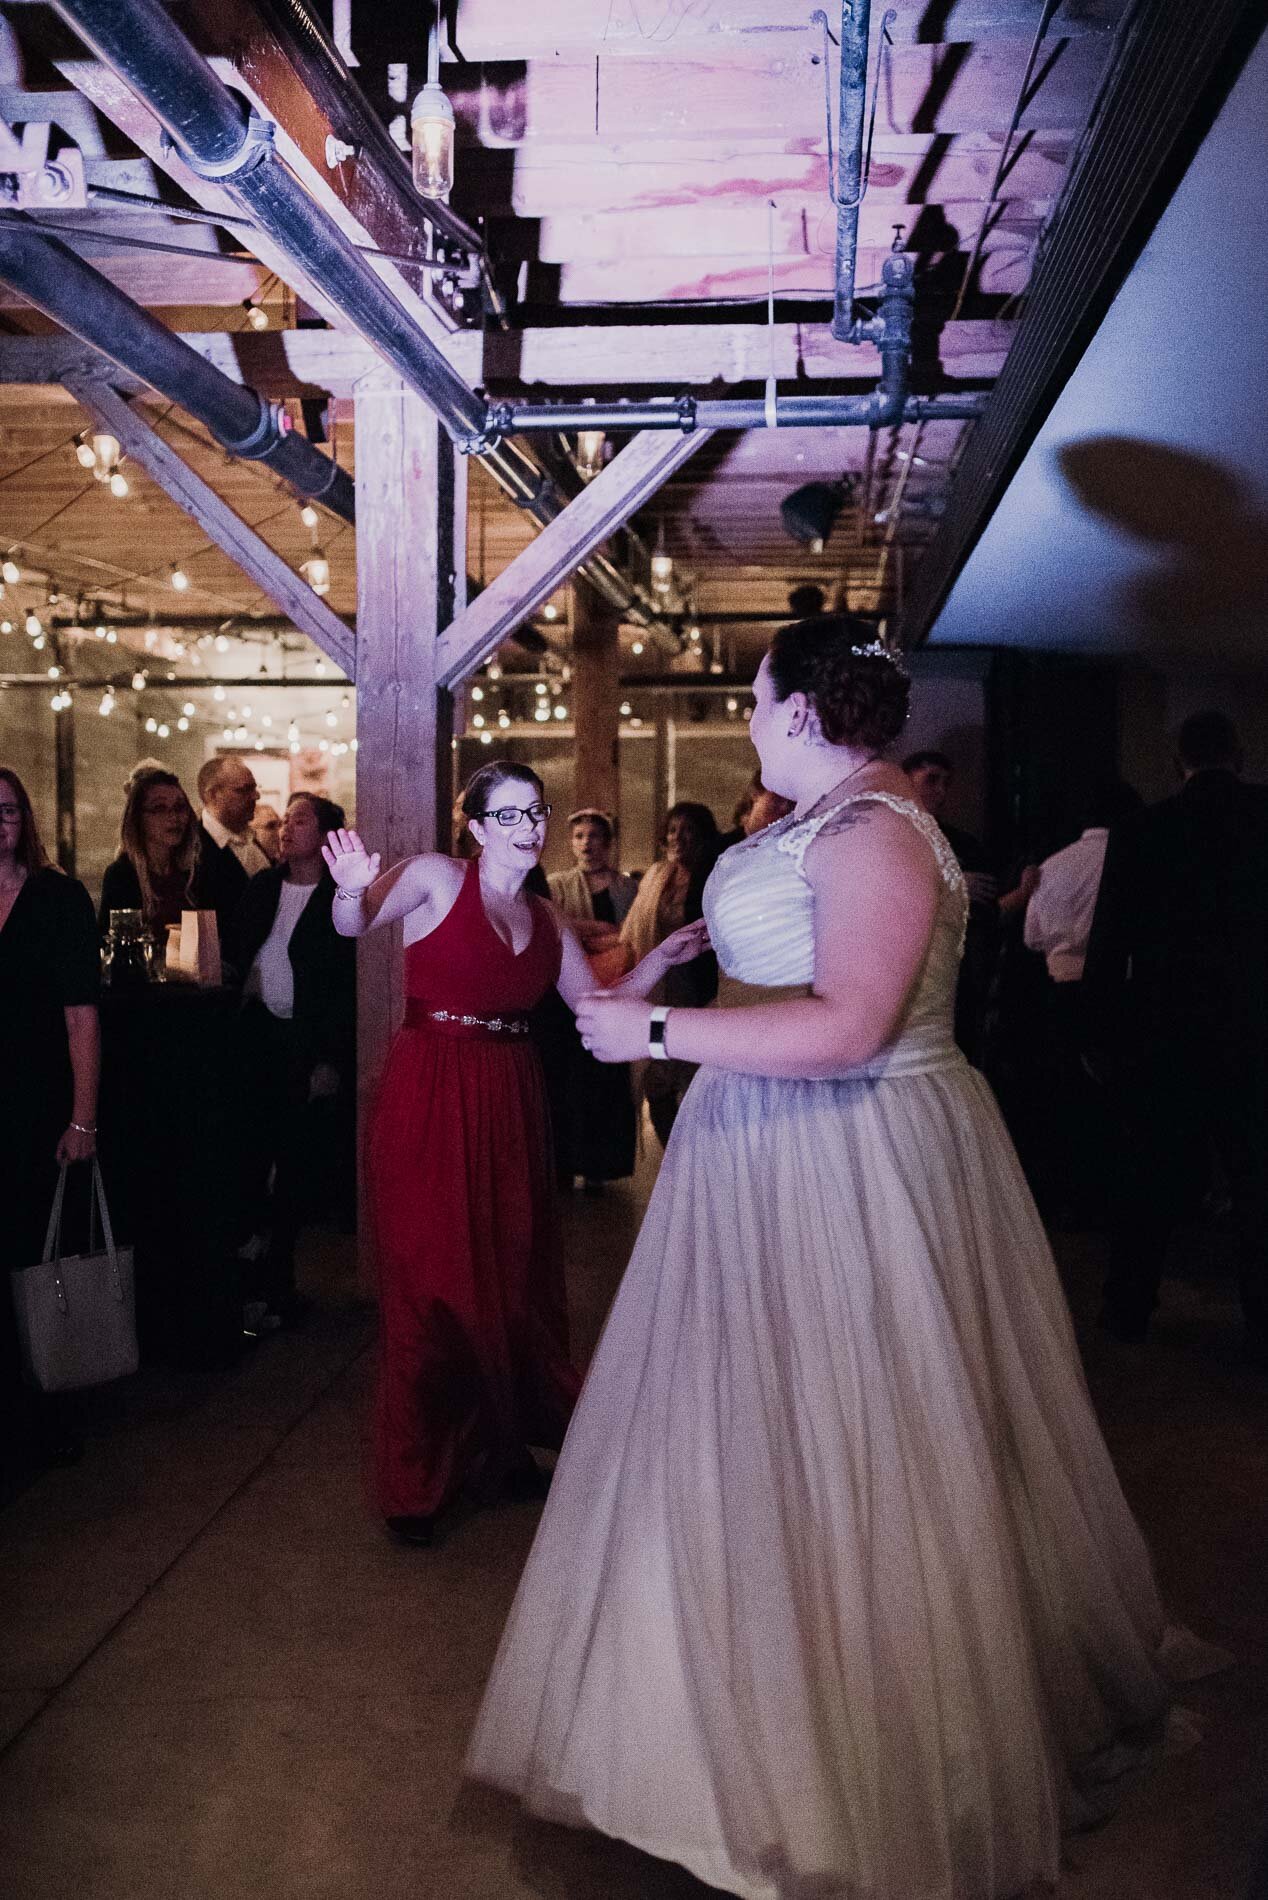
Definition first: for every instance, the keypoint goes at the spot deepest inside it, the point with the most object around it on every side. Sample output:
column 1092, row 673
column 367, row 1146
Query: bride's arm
column 876, row 888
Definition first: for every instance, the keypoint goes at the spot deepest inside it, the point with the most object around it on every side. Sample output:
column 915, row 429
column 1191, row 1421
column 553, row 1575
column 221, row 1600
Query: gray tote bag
column 76, row 1314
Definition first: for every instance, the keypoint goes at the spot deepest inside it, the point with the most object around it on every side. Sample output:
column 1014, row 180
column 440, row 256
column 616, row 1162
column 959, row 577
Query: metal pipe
column 67, row 288
column 219, row 140
column 855, row 19
column 740, row 412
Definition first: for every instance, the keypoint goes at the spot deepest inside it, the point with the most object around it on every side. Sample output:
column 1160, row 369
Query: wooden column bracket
column 289, row 591
column 602, row 507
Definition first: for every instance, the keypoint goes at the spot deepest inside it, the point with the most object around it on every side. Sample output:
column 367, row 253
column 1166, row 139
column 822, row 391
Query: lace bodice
column 759, row 906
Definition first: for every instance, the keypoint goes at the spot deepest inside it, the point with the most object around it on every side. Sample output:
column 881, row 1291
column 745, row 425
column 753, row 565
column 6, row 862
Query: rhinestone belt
column 417, row 1013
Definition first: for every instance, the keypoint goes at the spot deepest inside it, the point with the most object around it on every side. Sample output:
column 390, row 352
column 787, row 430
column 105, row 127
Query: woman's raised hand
column 352, row 867
column 685, row 944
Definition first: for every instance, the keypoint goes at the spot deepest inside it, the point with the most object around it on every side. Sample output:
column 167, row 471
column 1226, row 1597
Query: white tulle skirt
column 836, row 1595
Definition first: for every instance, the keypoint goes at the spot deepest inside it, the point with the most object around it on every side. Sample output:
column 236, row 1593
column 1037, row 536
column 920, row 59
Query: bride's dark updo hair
column 477, row 788
column 860, row 699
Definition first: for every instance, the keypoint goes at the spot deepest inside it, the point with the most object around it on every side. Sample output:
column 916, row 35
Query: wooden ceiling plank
column 158, row 282
column 602, row 507
column 617, row 176
column 549, row 29
column 929, row 89
column 807, row 229
column 1003, row 273
column 288, row 591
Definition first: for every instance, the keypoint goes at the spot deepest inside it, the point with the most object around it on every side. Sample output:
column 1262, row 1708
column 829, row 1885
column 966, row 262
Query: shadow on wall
column 1211, row 537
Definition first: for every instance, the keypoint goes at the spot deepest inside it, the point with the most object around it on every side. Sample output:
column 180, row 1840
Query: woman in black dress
column 50, row 1056
column 166, row 862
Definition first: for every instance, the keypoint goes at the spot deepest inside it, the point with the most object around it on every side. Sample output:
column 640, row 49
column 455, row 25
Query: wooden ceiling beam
column 590, row 518
column 1003, row 272
column 553, row 29
column 158, row 282
column 290, row 363
column 288, row 591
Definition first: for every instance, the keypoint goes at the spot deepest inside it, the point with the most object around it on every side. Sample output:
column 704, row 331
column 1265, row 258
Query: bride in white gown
column 836, row 1596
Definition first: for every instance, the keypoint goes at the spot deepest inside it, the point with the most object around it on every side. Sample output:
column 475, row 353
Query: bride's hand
column 685, row 944
column 352, row 867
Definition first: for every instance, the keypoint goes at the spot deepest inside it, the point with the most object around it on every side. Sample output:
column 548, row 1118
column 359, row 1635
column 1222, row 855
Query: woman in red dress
column 474, row 1365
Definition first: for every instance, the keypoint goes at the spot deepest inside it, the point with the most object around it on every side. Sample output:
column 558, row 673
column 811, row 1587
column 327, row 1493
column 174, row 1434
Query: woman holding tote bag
column 49, row 1056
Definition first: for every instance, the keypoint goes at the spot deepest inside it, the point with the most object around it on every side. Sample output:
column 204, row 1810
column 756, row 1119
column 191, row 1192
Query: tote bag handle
column 97, row 1211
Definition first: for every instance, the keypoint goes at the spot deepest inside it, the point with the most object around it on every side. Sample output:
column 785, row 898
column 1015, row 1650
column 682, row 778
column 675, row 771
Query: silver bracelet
column 656, row 1033
column 80, row 1129
column 348, row 897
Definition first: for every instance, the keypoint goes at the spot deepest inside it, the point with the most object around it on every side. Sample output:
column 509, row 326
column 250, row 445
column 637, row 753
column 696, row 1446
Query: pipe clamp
column 257, row 144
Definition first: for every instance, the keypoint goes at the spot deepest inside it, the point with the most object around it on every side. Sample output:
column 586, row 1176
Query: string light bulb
column 119, row 486
column 106, row 452
column 107, row 704
column 34, row 625
column 179, row 579
column 431, row 130
column 11, row 571
column 316, row 571
column 308, row 515
column 85, row 454
column 257, row 315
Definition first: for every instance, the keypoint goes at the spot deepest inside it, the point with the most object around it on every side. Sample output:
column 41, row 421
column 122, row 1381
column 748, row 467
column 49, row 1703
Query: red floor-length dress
column 474, row 1363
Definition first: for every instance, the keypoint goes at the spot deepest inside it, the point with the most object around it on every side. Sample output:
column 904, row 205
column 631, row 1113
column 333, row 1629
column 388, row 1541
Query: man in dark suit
column 1175, row 1000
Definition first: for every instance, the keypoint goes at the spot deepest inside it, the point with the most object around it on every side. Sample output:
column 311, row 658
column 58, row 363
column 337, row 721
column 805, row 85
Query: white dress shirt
column 271, row 977
column 241, row 843
column 1059, row 915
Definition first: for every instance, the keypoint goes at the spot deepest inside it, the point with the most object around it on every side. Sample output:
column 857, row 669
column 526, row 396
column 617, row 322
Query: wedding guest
column 600, row 1126
column 754, row 811
column 1075, row 1161
column 49, row 1057
column 166, row 862
column 475, row 1366
column 669, row 897
column 1175, row 991
column 229, row 794
column 266, row 829
column 300, row 1046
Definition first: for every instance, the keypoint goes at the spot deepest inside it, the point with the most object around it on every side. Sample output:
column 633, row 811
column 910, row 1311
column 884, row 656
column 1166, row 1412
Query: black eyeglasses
column 510, row 815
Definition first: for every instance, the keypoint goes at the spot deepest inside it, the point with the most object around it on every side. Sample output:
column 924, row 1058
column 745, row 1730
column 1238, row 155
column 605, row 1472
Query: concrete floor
column 219, row 1680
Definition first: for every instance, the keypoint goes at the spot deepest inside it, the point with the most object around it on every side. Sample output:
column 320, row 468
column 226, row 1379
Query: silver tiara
column 877, row 650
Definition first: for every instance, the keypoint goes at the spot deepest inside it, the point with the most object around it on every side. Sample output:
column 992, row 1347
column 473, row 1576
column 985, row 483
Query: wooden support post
column 596, row 698
column 411, row 580
column 288, row 591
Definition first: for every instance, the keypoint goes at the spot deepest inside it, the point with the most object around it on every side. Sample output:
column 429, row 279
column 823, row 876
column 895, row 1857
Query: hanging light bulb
column 222, row 643
column 495, row 671
column 308, row 515
column 164, row 732
column 550, row 611
column 504, row 720
column 179, row 579
column 477, row 693
column 316, row 571
column 543, row 712
column 257, row 315
column 151, row 725
column 99, row 632
column 85, row 454
column 637, row 648
column 182, row 725
column 292, row 732
column 218, row 693
column 561, row 711
column 591, row 444
column 478, row 720
column 11, row 571
column 107, row 704
column 34, row 625
column 431, row 130
column 293, row 746
column 119, row 486
column 662, row 561
column 6, row 626
column 332, row 719
column 106, row 452
column 138, row 682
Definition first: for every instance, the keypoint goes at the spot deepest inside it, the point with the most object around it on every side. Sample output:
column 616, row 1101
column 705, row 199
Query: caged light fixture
column 431, row 126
